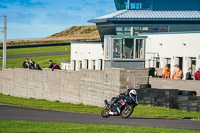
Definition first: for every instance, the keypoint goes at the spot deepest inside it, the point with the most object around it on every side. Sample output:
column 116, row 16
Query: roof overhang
column 148, row 15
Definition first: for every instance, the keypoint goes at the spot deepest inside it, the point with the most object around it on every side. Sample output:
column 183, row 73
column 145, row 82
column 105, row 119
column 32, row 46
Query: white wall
column 172, row 46
column 80, row 51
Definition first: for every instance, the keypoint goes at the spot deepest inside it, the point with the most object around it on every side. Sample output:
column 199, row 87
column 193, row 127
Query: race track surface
column 27, row 114
column 36, row 55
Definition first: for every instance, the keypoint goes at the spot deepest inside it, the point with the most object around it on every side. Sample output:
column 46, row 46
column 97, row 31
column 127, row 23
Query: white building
column 87, row 55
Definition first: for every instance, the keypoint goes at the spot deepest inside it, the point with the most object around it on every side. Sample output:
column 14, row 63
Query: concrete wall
column 89, row 87
column 190, row 85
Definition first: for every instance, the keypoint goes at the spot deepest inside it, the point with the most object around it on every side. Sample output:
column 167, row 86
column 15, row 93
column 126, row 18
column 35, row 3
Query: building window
column 128, row 48
column 139, row 48
column 126, row 31
column 117, row 48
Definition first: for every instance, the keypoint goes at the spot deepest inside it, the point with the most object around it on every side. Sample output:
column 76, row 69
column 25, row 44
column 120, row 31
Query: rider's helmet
column 132, row 93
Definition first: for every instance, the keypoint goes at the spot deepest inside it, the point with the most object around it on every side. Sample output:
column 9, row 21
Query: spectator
column 197, row 75
column 178, row 73
column 53, row 65
column 31, row 64
column 26, row 63
column 37, row 67
column 189, row 74
column 166, row 72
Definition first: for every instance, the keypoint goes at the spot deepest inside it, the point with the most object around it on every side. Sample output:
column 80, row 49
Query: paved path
column 37, row 54
column 27, row 114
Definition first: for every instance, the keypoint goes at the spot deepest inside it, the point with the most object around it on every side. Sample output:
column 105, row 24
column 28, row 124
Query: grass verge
column 30, row 127
column 43, row 61
column 141, row 110
column 34, row 50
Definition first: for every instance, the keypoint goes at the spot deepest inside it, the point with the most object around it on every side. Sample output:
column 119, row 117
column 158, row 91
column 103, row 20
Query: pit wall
column 90, row 87
column 189, row 85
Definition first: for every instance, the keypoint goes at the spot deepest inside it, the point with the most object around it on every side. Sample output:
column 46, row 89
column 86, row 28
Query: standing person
column 36, row 67
column 189, row 74
column 53, row 65
column 166, row 72
column 178, row 73
column 26, row 64
column 31, row 64
column 197, row 75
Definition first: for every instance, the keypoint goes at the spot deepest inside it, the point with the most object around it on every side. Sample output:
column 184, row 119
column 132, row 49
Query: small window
column 144, row 28
column 119, row 29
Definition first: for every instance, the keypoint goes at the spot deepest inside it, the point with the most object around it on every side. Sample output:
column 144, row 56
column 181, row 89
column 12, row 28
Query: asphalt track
column 35, row 55
column 27, row 114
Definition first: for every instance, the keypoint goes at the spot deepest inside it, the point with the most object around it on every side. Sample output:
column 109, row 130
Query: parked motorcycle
column 122, row 105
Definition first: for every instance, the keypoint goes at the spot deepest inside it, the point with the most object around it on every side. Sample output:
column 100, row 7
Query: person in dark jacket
column 197, row 75
column 31, row 64
column 53, row 65
column 189, row 74
column 26, row 64
column 37, row 67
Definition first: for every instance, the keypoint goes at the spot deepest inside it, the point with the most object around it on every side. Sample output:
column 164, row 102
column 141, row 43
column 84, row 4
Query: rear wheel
column 127, row 111
column 105, row 112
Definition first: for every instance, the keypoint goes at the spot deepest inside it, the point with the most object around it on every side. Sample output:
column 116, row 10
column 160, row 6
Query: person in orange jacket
column 177, row 73
column 166, row 72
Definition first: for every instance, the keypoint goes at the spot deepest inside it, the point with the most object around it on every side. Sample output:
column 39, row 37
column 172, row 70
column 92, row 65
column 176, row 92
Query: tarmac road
column 27, row 114
column 37, row 54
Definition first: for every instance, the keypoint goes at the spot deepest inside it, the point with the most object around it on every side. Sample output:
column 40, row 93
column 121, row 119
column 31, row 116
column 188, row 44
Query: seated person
column 53, row 65
column 36, row 67
column 26, row 64
column 31, row 64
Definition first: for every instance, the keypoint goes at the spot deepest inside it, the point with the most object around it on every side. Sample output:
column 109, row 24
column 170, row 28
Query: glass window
column 128, row 49
column 117, row 48
column 136, row 28
column 144, row 28
column 127, row 28
column 162, row 29
column 127, row 33
column 139, row 50
column 119, row 28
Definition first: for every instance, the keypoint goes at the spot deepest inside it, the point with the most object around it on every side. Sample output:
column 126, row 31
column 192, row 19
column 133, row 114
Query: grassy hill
column 73, row 34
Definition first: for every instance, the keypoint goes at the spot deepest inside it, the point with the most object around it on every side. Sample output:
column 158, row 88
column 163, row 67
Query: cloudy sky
column 41, row 18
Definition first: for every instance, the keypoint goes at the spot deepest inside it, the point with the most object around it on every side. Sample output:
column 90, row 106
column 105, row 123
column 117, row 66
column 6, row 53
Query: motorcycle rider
column 132, row 95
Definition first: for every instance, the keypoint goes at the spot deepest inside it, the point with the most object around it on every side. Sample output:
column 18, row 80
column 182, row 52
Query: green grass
column 141, row 110
column 43, row 61
column 33, row 50
column 52, row 127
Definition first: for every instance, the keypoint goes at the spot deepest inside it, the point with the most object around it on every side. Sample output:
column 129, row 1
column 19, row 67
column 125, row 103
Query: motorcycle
column 122, row 105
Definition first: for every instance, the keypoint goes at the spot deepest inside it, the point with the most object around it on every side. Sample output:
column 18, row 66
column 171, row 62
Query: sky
column 27, row 19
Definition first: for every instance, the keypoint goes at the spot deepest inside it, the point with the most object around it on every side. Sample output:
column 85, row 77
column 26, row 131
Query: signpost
column 4, row 43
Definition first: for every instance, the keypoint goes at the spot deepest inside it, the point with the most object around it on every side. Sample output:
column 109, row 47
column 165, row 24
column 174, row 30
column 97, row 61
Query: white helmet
column 132, row 93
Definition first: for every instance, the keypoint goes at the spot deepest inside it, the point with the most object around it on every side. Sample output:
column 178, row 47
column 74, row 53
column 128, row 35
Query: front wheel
column 105, row 112
column 127, row 111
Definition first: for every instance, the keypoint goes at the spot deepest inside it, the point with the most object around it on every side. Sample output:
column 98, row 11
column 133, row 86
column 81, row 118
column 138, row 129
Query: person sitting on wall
column 26, row 64
column 177, row 73
column 53, row 65
column 31, row 64
column 189, row 74
column 37, row 67
column 166, row 72
column 197, row 75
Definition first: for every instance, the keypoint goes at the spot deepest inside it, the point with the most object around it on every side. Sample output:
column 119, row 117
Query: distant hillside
column 73, row 34
column 79, row 31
